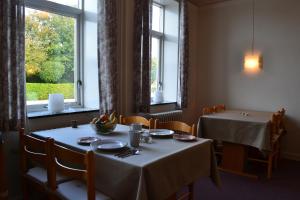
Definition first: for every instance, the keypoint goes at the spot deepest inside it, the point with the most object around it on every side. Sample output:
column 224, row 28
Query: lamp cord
column 253, row 20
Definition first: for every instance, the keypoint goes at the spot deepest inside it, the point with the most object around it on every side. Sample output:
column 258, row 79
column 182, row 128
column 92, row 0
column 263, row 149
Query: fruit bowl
column 105, row 124
column 101, row 129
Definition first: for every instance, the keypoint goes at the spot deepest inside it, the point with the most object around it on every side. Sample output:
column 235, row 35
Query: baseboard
column 291, row 156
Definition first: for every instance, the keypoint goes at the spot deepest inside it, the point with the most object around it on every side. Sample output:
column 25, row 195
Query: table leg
column 234, row 157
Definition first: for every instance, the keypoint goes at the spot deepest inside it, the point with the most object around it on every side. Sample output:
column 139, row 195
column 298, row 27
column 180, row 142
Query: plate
column 184, row 137
column 86, row 140
column 108, row 144
column 161, row 132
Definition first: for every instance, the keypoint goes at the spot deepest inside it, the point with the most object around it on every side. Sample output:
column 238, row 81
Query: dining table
column 161, row 168
column 238, row 130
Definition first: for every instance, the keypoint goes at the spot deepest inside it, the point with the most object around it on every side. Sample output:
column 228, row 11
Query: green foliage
column 49, row 43
column 154, row 68
column 52, row 71
column 40, row 91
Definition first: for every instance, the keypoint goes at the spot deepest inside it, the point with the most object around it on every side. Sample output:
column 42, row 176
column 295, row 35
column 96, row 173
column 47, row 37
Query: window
column 164, row 50
column 52, row 52
column 157, row 51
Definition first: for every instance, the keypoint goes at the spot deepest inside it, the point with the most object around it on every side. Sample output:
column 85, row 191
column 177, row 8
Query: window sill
column 41, row 114
column 163, row 103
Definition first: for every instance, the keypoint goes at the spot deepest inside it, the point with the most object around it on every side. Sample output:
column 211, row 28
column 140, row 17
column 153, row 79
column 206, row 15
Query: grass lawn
column 40, row 91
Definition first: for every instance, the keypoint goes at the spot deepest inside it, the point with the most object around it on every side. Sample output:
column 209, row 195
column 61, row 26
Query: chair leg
column 270, row 166
column 276, row 160
column 191, row 191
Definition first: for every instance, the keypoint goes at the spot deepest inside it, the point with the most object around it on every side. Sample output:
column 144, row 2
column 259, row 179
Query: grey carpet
column 284, row 185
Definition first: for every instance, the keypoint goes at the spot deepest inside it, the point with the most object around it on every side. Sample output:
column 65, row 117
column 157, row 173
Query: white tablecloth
column 237, row 126
column 162, row 167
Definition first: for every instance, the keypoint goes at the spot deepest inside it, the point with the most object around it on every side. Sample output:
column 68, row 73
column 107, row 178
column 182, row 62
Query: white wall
column 225, row 36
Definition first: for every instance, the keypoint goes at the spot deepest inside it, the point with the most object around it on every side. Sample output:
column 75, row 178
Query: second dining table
column 238, row 129
column 161, row 168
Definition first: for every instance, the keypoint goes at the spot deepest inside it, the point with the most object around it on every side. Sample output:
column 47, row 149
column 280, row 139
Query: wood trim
column 291, row 156
column 238, row 173
column 192, row 2
column 258, row 160
column 200, row 4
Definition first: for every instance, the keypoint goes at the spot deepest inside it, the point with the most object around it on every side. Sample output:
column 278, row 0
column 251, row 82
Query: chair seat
column 76, row 190
column 40, row 174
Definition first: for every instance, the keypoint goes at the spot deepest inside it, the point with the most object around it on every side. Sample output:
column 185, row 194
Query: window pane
column 157, row 18
column 49, row 56
column 155, row 63
column 72, row 3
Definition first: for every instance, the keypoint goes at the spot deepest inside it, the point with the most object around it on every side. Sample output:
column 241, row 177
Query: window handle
column 79, row 83
column 160, row 86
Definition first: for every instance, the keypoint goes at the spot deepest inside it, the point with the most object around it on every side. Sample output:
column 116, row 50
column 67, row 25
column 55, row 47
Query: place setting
column 161, row 133
column 184, row 137
column 108, row 145
column 120, row 148
column 86, row 141
column 165, row 133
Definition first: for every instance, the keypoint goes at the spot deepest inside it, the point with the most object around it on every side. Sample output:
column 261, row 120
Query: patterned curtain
column 107, row 56
column 12, row 77
column 182, row 91
column 142, row 55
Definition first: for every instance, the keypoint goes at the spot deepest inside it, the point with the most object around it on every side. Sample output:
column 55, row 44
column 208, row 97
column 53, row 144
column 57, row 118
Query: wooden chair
column 207, row 110
column 272, row 155
column 137, row 119
column 83, row 185
column 185, row 128
column 176, row 126
column 281, row 123
column 219, row 108
column 37, row 151
column 281, row 133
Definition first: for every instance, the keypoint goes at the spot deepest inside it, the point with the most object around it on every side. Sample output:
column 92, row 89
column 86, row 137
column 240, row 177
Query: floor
column 284, row 185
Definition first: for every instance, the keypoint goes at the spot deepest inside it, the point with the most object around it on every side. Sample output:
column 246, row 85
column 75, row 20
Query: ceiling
column 206, row 2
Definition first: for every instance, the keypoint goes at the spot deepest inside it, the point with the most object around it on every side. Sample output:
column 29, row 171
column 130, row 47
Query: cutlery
column 126, row 151
column 129, row 152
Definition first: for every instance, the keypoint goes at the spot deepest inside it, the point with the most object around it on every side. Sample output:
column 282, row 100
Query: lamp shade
column 252, row 63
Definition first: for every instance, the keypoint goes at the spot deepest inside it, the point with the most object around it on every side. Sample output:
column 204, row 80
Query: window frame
column 161, row 37
column 77, row 14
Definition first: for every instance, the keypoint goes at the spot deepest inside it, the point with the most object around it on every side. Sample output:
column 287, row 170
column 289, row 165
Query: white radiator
column 174, row 115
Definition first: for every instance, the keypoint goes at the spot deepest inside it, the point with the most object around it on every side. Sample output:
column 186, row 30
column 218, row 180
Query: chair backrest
column 65, row 159
column 137, row 119
column 274, row 126
column 281, row 121
column 36, row 150
column 219, row 108
column 176, row 126
column 208, row 110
